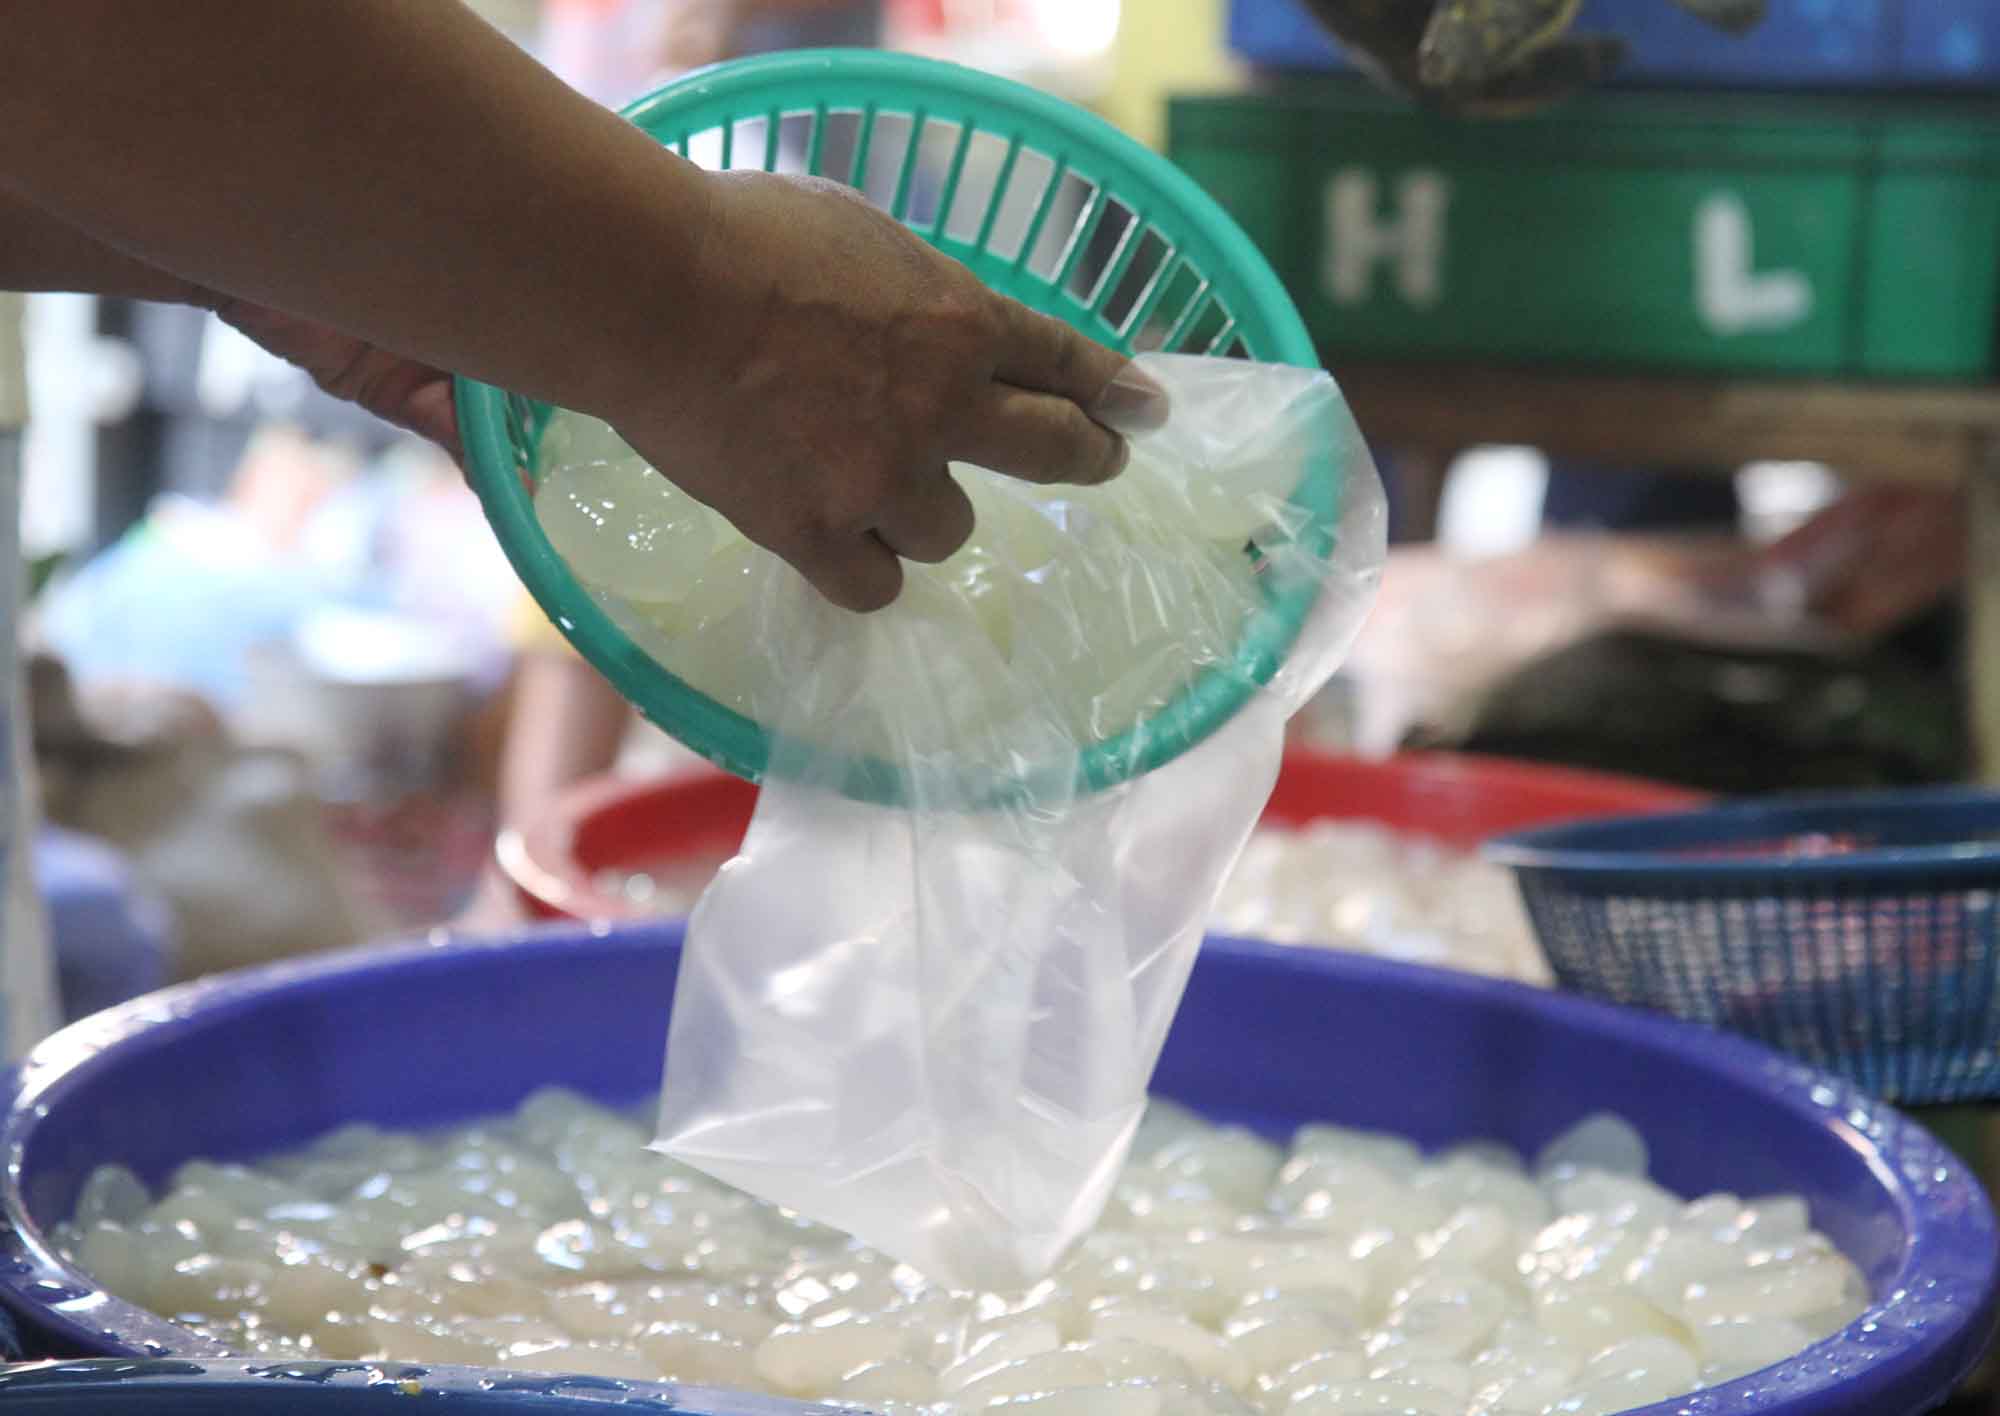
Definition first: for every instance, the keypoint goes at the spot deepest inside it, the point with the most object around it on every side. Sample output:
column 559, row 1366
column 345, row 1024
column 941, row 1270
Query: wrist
column 681, row 315
column 667, row 319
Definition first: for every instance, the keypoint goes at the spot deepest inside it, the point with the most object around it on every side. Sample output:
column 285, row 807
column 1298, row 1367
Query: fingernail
column 1132, row 403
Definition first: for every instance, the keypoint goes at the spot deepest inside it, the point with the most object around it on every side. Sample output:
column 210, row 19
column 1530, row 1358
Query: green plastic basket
column 1045, row 203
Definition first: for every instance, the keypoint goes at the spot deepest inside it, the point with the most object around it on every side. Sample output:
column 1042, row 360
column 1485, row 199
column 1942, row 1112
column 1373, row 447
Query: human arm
column 407, row 176
column 42, row 252
column 565, row 723
column 378, row 164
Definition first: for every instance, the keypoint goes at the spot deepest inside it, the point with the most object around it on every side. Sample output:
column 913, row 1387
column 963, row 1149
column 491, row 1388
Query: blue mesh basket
column 1858, row 932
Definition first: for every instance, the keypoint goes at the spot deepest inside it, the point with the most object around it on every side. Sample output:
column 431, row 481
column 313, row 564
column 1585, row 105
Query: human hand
column 831, row 364
column 1873, row 560
column 1857, row 570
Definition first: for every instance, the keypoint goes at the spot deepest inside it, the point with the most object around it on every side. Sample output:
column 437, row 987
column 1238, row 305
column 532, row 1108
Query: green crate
column 1693, row 232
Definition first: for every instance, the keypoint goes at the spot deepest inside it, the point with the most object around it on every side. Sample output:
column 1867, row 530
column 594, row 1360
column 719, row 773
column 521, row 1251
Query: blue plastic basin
column 1268, row 1036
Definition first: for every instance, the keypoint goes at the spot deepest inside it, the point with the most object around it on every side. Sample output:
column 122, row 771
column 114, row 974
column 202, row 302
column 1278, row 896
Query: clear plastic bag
column 932, row 1023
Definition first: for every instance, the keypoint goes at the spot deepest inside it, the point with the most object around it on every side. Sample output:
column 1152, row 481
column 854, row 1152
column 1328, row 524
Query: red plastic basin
column 615, row 824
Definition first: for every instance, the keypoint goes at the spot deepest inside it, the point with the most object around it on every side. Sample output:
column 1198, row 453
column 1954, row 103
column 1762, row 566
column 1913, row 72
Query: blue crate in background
column 1801, row 44
column 1279, row 34
column 1951, row 41
column 1806, row 43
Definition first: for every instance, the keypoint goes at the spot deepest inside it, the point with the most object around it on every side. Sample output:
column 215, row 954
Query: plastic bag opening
column 932, row 1023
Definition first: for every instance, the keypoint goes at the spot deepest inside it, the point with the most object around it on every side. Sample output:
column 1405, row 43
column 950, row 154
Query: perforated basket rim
column 1640, row 848
column 1211, row 240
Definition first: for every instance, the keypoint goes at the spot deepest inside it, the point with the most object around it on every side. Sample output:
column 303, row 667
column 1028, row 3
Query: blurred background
column 1683, row 440
column 1674, row 338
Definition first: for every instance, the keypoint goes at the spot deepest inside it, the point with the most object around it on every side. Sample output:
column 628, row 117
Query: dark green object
column 1794, row 235
column 1734, row 723
column 42, row 569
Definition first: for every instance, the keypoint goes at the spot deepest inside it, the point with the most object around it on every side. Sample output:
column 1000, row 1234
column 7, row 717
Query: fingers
column 857, row 572
column 1132, row 403
column 398, row 390
column 1045, row 355
column 927, row 519
column 1039, row 437
column 430, row 412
